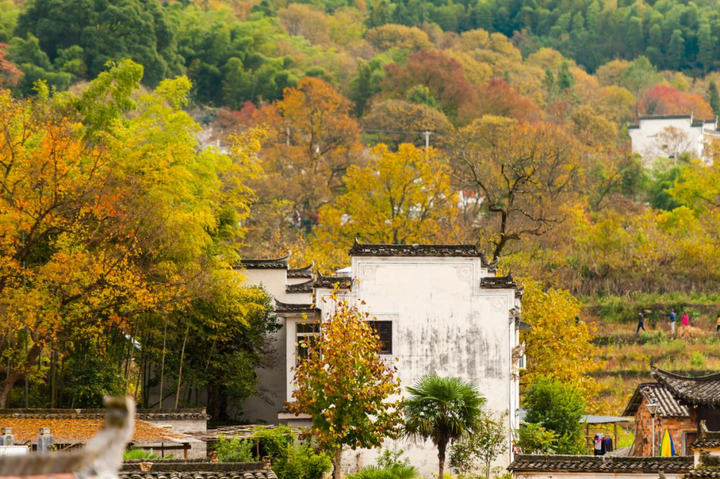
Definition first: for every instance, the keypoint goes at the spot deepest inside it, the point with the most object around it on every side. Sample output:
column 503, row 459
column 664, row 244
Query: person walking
column 641, row 323
column 673, row 319
column 686, row 319
column 717, row 322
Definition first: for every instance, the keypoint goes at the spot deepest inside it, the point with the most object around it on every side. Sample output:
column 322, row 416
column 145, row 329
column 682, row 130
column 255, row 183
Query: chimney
column 6, row 437
column 44, row 440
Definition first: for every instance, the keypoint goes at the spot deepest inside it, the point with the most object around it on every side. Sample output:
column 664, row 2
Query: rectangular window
column 306, row 334
column 384, row 331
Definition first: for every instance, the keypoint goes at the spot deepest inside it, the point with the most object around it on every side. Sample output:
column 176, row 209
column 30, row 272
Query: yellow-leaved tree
column 400, row 197
column 558, row 346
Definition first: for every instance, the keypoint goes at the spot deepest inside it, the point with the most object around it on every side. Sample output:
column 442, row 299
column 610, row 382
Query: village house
column 668, row 414
column 669, row 136
column 680, row 405
column 438, row 308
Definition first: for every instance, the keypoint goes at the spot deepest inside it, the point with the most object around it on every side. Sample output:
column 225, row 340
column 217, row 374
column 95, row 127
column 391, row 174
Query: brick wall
column 676, row 426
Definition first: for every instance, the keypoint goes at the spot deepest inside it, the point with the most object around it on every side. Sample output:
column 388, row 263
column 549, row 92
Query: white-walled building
column 669, row 136
column 439, row 309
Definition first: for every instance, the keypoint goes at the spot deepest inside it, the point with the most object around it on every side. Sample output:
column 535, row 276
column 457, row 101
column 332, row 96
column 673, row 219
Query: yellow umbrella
column 666, row 445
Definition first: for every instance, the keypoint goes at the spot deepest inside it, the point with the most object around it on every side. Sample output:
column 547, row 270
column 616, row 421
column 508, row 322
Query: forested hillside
column 525, row 106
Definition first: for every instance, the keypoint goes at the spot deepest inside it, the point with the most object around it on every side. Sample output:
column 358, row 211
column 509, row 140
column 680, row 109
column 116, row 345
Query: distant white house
column 669, row 136
column 439, row 309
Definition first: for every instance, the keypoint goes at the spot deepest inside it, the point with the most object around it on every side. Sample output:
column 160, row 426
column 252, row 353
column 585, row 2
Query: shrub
column 396, row 471
column 290, row 458
column 234, row 450
column 557, row 406
column 697, row 360
column 136, row 454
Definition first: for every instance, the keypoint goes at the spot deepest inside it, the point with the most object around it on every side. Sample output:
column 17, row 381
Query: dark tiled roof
column 172, row 414
column 144, row 414
column 277, row 263
column 703, row 473
column 655, row 393
column 461, row 250
column 197, row 470
column 602, row 464
column 703, row 443
column 701, row 391
column 306, row 287
column 665, row 117
column 498, row 282
column 702, row 122
column 305, row 272
column 329, row 282
column 294, row 308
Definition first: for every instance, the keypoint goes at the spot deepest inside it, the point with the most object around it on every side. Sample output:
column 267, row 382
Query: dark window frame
column 384, row 330
column 305, row 332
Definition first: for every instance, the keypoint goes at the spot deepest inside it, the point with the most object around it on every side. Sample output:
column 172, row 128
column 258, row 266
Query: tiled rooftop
column 700, row 391
column 606, row 464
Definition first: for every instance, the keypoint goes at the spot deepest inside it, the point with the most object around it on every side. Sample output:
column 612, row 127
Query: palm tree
column 441, row 409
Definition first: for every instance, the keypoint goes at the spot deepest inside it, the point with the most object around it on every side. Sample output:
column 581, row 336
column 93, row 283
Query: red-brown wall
column 676, row 426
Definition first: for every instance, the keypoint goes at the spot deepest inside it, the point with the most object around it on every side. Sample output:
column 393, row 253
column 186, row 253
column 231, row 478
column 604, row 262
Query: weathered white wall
column 443, row 323
column 272, row 380
column 646, row 143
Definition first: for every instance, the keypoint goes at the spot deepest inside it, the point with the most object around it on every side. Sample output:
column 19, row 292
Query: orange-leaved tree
column 312, row 141
column 345, row 386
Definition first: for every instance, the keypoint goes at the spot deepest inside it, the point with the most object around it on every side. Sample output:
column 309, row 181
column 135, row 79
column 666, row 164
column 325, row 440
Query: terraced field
column 693, row 350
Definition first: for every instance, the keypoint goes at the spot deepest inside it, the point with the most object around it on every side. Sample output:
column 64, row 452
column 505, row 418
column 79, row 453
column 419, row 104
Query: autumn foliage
column 345, row 386
column 666, row 100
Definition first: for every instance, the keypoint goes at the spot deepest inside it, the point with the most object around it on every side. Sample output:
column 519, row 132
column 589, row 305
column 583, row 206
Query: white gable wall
column 443, row 323
column 645, row 139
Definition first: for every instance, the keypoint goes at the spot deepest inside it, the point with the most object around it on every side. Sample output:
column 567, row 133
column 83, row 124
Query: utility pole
column 427, row 143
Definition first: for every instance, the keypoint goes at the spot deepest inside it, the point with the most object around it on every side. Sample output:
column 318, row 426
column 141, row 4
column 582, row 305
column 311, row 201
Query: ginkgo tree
column 345, row 386
column 558, row 346
column 400, row 197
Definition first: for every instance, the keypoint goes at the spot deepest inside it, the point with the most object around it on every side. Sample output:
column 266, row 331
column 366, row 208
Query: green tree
column 344, row 385
column 706, row 45
column 636, row 39
column 442, row 409
column 535, row 439
column 593, row 18
column 557, row 406
column 484, row 443
column 135, row 29
column 714, row 97
column 366, row 84
column 676, row 50
column 565, row 78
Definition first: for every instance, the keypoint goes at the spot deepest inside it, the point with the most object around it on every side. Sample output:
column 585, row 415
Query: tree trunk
column 162, row 367
column 442, row 446
column 337, row 463
column 7, row 385
column 182, row 358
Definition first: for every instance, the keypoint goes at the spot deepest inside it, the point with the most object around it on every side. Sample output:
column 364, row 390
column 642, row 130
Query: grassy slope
column 693, row 351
